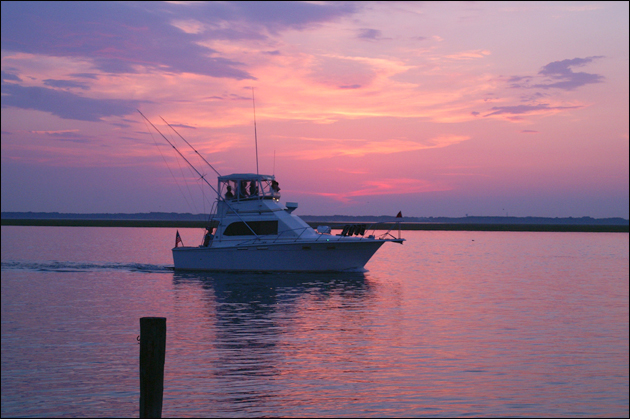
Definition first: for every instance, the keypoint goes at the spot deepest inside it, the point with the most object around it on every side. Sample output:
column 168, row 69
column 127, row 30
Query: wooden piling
column 152, row 354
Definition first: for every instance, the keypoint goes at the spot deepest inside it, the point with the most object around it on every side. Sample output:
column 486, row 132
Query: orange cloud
column 468, row 55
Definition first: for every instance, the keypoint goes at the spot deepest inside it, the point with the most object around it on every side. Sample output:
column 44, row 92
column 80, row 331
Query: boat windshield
column 240, row 187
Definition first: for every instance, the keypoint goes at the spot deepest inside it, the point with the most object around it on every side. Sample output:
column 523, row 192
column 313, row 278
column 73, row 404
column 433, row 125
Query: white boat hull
column 351, row 255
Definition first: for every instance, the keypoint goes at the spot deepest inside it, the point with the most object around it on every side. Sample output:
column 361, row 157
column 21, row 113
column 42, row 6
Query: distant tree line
column 167, row 216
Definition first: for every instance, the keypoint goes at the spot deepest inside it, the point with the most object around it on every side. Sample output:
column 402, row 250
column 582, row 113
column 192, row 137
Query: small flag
column 178, row 239
column 399, row 214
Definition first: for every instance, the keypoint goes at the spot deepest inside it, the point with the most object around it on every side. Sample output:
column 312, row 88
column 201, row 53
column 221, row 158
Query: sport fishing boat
column 255, row 233
column 252, row 232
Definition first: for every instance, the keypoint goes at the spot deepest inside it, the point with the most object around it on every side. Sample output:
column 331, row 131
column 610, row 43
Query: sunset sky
column 432, row 109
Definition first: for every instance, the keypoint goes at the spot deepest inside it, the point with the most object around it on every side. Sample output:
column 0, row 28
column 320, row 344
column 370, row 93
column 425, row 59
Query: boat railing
column 248, row 242
column 290, row 231
column 267, row 195
column 257, row 239
column 282, row 236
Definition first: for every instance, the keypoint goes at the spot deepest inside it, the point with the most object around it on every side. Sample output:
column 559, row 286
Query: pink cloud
column 386, row 187
column 325, row 148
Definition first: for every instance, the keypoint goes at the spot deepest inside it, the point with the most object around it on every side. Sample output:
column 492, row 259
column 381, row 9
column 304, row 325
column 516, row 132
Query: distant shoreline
column 428, row 226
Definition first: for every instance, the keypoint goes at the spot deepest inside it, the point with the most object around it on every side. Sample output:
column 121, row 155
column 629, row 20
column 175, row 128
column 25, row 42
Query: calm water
column 448, row 324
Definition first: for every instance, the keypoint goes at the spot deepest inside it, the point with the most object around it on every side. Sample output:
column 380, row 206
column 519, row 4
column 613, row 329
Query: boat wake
column 62, row 266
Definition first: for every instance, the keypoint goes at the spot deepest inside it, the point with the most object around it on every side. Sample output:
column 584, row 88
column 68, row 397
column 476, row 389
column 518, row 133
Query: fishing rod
column 178, row 152
column 197, row 171
column 180, row 136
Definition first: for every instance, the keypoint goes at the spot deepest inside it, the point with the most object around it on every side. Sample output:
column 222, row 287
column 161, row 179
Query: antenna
column 274, row 162
column 255, row 133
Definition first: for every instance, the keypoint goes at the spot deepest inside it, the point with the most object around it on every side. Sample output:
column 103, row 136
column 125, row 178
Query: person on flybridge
column 249, row 189
column 274, row 186
column 242, row 189
column 229, row 194
column 253, row 188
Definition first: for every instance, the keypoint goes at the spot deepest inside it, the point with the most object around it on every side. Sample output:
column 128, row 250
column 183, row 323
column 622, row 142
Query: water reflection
column 247, row 284
column 256, row 321
column 510, row 324
column 240, row 296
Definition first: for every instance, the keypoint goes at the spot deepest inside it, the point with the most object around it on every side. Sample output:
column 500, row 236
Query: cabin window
column 261, row 228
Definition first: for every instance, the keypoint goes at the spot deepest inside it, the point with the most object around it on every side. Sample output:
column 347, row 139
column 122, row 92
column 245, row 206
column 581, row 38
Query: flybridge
column 248, row 186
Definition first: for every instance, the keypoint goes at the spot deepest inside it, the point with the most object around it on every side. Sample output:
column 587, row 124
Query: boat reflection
column 257, row 325
column 246, row 288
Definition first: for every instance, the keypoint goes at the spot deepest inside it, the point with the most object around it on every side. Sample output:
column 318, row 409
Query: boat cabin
column 249, row 205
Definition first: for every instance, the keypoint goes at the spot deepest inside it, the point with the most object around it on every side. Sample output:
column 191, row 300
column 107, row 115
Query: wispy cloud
column 9, row 77
column 559, row 75
column 66, row 84
column 122, row 37
column 342, row 72
column 92, row 76
column 57, row 132
column 183, row 126
column 360, row 148
column 65, row 104
column 388, row 186
column 369, row 34
column 469, row 55
column 116, row 37
column 527, row 109
column 566, row 78
column 555, row 75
